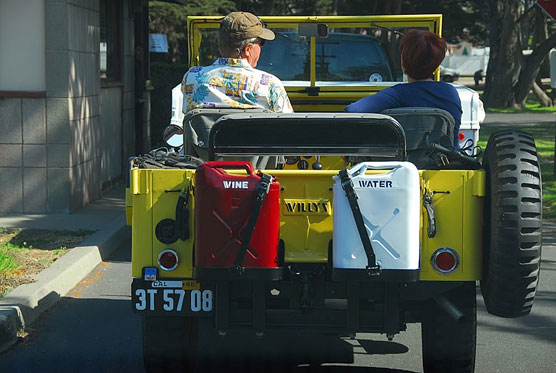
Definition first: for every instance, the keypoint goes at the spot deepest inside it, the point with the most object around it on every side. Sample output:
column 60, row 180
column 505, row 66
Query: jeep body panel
column 306, row 218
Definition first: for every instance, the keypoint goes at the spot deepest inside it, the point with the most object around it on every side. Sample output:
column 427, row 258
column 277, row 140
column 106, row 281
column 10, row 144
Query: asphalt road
column 522, row 119
column 94, row 330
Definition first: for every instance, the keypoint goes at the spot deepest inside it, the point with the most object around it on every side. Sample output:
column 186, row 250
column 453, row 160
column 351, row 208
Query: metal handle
column 246, row 165
column 362, row 167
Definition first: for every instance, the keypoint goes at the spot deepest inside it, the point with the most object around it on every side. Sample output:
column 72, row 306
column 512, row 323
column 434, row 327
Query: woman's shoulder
column 445, row 87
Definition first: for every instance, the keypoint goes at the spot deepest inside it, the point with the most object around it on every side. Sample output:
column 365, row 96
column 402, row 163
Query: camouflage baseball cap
column 244, row 25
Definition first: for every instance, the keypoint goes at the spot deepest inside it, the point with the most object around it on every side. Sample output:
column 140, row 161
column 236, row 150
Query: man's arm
column 186, row 95
column 376, row 103
column 278, row 100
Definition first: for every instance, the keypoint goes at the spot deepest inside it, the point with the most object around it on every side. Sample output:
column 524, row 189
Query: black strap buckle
column 373, row 271
column 262, row 189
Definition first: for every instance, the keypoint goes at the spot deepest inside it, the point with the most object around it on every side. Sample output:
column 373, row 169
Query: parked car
column 447, row 74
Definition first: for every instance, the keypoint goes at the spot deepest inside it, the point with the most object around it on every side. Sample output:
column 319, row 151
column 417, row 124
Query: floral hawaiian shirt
column 233, row 83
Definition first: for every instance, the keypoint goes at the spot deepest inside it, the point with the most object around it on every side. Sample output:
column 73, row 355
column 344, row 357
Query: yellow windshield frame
column 432, row 22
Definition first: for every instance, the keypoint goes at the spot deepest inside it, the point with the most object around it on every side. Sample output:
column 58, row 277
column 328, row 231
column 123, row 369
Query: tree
column 171, row 20
column 511, row 75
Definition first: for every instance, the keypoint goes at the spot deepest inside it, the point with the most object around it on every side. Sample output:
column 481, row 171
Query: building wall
column 22, row 120
column 61, row 147
column 22, row 45
column 22, row 155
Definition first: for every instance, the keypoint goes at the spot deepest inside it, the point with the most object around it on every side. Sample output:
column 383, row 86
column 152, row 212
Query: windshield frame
column 432, row 22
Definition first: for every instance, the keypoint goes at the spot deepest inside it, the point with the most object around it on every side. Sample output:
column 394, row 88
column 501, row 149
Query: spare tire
column 513, row 224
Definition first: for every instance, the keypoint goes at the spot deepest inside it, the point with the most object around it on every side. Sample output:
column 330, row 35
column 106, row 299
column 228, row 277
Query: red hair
column 422, row 52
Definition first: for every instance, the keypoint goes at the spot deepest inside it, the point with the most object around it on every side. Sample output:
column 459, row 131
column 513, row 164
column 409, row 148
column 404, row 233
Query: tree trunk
column 531, row 69
column 505, row 53
column 540, row 34
column 511, row 75
column 532, row 64
column 541, row 95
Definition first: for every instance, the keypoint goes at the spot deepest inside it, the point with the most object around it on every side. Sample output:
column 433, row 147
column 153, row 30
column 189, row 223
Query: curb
column 27, row 302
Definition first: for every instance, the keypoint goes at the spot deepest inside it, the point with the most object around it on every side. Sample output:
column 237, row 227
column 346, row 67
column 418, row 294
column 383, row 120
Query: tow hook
column 304, row 276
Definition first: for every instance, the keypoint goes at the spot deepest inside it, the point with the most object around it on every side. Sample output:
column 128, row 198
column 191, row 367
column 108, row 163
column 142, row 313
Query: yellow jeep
column 381, row 223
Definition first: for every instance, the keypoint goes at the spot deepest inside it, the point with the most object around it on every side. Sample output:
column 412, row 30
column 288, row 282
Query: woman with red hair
column 421, row 54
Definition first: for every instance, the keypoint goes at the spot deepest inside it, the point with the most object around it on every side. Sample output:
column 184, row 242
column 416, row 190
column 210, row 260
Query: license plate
column 171, row 297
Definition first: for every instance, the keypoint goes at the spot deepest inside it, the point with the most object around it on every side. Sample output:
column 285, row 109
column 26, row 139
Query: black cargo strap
column 182, row 214
column 262, row 189
column 347, row 185
column 164, row 158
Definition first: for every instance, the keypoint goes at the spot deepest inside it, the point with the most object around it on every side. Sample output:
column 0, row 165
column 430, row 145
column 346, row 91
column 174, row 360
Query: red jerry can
column 223, row 204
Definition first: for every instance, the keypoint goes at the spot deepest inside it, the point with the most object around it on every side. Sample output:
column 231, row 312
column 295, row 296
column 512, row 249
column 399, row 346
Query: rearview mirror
column 173, row 136
column 319, row 30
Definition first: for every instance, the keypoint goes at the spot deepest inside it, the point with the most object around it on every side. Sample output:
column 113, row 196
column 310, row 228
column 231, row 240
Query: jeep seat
column 197, row 124
column 423, row 126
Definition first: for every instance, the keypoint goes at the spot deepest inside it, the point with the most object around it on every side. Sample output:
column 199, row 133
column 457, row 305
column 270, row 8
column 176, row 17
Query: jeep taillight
column 445, row 260
column 168, row 260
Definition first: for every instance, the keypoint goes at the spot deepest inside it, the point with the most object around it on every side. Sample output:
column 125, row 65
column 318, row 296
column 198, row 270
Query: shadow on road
column 282, row 352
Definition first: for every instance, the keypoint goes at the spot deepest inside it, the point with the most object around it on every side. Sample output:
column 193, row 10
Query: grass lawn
column 25, row 253
column 533, row 107
column 544, row 140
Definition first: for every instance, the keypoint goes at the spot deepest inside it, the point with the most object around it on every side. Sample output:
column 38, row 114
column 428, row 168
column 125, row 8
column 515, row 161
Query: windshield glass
column 359, row 54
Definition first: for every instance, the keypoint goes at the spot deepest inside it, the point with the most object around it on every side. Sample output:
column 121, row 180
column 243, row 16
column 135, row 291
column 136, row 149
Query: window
column 110, row 40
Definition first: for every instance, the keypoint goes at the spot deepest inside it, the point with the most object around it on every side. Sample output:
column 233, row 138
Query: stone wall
column 23, row 155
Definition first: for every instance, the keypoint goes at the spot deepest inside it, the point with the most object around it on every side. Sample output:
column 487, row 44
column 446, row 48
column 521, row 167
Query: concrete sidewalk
column 25, row 303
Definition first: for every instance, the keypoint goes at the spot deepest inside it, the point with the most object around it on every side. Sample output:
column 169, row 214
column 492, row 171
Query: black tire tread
column 513, row 212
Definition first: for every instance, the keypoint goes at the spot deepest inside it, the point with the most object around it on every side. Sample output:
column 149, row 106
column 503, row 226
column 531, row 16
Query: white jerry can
column 390, row 206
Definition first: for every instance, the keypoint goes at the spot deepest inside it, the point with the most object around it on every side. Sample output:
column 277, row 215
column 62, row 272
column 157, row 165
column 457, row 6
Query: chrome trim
column 162, row 253
column 444, row 250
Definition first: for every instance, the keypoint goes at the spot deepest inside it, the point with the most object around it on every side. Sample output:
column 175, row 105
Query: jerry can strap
column 347, row 185
column 182, row 214
column 261, row 190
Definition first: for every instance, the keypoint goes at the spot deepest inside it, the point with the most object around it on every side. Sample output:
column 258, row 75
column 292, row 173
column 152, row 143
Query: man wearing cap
column 232, row 80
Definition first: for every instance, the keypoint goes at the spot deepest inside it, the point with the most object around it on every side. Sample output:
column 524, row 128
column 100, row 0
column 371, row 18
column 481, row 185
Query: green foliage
column 7, row 261
column 457, row 14
column 529, row 107
column 549, row 191
column 171, row 19
column 164, row 77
